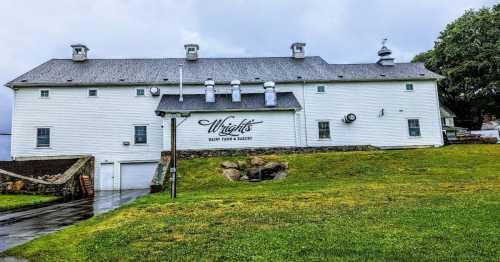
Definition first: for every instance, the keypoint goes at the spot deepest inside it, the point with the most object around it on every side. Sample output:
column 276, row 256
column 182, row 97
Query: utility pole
column 173, row 156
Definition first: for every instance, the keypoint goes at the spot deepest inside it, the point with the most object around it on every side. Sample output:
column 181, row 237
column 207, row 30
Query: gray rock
column 229, row 164
column 280, row 175
column 231, row 174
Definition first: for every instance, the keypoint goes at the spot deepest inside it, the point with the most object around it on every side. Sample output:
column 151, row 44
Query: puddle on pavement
column 21, row 226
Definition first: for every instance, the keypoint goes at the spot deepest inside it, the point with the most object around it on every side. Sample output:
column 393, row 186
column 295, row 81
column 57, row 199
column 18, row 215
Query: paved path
column 21, row 226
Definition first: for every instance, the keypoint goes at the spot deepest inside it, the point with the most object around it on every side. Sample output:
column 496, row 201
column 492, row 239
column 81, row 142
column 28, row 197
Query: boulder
column 229, row 164
column 18, row 185
column 266, row 172
column 231, row 174
column 280, row 175
column 257, row 161
column 242, row 164
column 8, row 186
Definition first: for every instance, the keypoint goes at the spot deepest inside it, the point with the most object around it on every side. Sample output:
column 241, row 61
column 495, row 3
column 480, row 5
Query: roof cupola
column 191, row 51
column 298, row 50
column 385, row 55
column 79, row 52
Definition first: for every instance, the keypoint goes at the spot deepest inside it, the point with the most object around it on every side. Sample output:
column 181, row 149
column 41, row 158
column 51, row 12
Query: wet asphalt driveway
column 21, row 226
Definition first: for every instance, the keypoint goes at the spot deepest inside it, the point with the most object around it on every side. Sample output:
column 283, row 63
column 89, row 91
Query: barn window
column 140, row 135
column 324, row 130
column 43, row 137
column 139, row 92
column 92, row 92
column 414, row 127
column 44, row 93
column 409, row 87
column 320, row 89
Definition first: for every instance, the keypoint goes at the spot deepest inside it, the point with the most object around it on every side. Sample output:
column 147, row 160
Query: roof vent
column 385, row 55
column 79, row 52
column 210, row 91
column 235, row 91
column 298, row 50
column 270, row 94
column 191, row 51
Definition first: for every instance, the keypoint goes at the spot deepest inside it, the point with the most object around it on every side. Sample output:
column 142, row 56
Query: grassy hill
column 10, row 202
column 412, row 205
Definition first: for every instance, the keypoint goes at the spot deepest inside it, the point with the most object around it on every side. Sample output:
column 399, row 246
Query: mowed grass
column 10, row 202
column 408, row 205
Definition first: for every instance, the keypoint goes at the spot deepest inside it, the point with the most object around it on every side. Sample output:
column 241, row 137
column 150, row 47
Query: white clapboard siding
column 99, row 126
column 274, row 129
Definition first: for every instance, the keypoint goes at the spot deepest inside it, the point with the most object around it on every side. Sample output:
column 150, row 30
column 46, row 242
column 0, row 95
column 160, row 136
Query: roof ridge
column 375, row 63
column 183, row 58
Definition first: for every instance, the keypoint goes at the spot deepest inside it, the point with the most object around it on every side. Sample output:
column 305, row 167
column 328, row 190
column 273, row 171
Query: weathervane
column 384, row 41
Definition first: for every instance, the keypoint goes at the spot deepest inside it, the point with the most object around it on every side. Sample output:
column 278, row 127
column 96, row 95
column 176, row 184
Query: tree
column 467, row 54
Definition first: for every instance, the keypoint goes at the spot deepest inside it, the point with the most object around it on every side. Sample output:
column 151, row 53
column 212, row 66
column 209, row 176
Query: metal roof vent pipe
column 236, row 91
column 79, row 52
column 210, row 91
column 298, row 50
column 270, row 94
column 385, row 55
column 191, row 51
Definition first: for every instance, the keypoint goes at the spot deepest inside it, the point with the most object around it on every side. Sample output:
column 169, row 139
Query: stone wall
column 51, row 176
column 38, row 168
column 191, row 154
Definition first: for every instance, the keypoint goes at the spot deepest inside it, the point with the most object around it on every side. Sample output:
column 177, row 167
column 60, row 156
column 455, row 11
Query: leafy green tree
column 467, row 53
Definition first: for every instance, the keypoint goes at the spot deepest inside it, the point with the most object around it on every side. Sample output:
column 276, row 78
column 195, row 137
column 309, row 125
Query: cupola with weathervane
column 385, row 55
column 79, row 52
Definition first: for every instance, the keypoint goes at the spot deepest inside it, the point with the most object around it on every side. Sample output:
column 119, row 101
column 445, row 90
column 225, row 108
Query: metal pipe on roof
column 181, row 98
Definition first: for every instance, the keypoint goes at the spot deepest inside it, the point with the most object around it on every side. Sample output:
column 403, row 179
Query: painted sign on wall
column 229, row 128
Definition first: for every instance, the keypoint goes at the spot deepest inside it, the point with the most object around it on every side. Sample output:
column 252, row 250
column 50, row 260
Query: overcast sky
column 341, row 31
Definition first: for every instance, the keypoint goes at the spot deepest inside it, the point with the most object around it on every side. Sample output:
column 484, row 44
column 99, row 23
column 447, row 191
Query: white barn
column 119, row 110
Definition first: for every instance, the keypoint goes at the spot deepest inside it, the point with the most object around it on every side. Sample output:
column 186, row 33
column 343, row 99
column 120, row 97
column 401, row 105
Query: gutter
column 14, row 85
column 164, row 112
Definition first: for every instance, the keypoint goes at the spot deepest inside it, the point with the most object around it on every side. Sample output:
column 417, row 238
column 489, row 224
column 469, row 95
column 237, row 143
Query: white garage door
column 136, row 175
column 104, row 178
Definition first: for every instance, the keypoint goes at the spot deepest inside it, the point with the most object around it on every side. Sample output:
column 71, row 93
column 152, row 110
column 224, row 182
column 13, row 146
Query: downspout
column 305, row 111
column 439, row 113
column 12, row 148
column 295, row 126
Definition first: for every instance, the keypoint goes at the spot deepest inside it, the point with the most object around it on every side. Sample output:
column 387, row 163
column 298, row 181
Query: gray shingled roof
column 376, row 72
column 249, row 102
column 65, row 72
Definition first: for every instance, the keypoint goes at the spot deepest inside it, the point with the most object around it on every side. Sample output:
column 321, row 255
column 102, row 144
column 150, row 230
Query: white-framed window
column 140, row 134
column 93, row 92
column 320, row 89
column 414, row 127
column 44, row 93
column 324, row 129
column 140, row 92
column 43, row 137
column 409, row 87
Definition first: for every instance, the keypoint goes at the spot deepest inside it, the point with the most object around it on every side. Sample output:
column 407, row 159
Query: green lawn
column 408, row 205
column 9, row 202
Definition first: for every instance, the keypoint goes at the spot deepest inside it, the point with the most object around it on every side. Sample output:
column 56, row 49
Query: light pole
column 173, row 155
